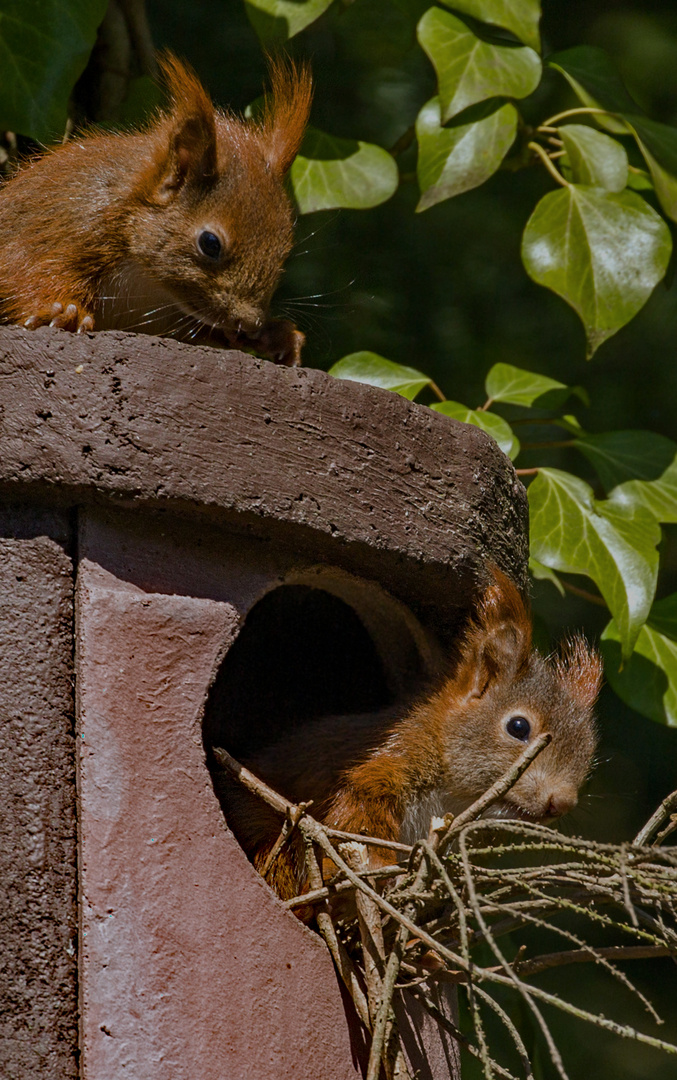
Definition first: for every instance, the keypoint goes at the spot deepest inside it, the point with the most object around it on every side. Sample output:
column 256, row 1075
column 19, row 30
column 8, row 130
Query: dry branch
column 472, row 881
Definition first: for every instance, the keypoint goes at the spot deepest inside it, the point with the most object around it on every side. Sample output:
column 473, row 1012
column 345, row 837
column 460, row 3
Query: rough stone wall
column 38, row 973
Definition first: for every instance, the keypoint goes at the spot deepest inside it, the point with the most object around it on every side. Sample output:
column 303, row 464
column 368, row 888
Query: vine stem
column 540, row 152
column 581, row 110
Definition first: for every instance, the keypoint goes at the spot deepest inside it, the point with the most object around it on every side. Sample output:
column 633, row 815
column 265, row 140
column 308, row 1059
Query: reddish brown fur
column 385, row 774
column 109, row 223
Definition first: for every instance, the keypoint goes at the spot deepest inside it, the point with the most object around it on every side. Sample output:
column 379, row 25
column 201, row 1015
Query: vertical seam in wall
column 75, row 549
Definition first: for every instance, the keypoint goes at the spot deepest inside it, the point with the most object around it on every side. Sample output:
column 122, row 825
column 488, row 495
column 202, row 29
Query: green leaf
column 515, row 386
column 595, row 81
column 520, row 17
column 331, row 173
column 544, row 573
column 279, row 20
column 369, row 367
column 454, row 160
column 44, row 47
column 658, row 143
column 496, row 426
column 663, row 617
column 594, row 158
column 639, row 180
column 647, row 682
column 470, row 70
column 637, row 468
column 615, row 546
column 603, row 252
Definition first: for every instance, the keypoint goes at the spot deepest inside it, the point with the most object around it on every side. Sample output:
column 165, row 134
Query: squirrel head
column 503, row 695
column 211, row 220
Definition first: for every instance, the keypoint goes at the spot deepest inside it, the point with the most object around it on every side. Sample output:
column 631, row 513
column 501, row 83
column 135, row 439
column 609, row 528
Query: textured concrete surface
column 357, row 472
column 38, row 983
column 189, row 966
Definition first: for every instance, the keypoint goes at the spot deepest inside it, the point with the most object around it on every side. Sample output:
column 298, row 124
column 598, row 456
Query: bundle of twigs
column 470, row 882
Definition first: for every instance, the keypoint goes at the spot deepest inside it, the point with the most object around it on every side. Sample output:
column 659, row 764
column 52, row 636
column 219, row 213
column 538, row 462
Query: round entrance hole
column 307, row 652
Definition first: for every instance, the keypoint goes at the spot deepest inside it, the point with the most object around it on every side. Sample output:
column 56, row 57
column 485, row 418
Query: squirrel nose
column 561, row 802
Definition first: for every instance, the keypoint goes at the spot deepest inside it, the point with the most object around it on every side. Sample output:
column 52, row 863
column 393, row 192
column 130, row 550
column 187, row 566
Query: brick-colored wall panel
column 38, row 983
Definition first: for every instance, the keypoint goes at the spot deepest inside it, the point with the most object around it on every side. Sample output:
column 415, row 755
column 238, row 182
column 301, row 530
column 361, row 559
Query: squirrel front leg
column 66, row 315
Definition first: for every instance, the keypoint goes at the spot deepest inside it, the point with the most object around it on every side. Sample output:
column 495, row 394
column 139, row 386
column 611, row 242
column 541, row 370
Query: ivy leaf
column 44, row 47
column 456, row 159
column 331, row 173
column 658, row 144
column 647, row 682
column 613, row 545
column 639, row 180
column 637, row 468
column 520, row 17
column 515, row 386
column 470, row 70
column 595, row 159
column 369, row 367
column 279, row 20
column 544, row 573
column 603, row 252
column 595, row 81
column 496, row 426
column 663, row 617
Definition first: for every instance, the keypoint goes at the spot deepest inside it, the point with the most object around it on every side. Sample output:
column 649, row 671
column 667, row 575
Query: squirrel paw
column 280, row 342
column 65, row 317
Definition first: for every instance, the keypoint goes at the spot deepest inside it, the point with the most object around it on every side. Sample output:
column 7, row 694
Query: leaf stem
column 436, row 390
column 555, row 444
column 572, row 112
column 527, row 472
column 584, row 593
column 540, row 152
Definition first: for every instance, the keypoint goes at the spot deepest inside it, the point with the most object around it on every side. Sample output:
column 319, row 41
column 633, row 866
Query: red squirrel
column 387, row 774
column 181, row 228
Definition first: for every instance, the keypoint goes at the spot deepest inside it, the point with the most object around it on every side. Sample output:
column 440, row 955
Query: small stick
column 442, row 840
column 646, row 834
column 339, row 955
column 290, row 822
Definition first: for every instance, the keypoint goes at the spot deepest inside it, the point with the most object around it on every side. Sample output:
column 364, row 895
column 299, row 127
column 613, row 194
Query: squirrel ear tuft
column 286, row 112
column 497, row 643
column 191, row 154
column 580, row 669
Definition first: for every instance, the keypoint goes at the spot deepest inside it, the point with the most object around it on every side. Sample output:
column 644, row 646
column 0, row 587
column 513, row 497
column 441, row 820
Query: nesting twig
column 474, row 880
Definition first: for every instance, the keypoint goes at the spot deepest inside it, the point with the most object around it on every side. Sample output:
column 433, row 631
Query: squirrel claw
column 69, row 317
column 280, row 342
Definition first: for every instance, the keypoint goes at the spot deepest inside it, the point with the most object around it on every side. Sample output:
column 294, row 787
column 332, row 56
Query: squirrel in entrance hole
column 180, row 229
column 387, row 774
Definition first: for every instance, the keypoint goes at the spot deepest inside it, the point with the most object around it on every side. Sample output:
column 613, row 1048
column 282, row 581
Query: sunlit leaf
column 470, row 70
column 639, row 180
column 496, row 426
column 595, row 81
column 521, row 17
column 515, row 386
column 658, row 143
column 279, row 20
column 637, row 468
column 44, row 47
column 331, row 173
column 594, row 158
column 456, row 159
column 369, row 367
column 545, row 573
column 647, row 681
column 603, row 252
column 615, row 546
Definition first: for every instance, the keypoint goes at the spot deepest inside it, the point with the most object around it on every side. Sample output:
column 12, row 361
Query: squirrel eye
column 209, row 244
column 519, row 727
